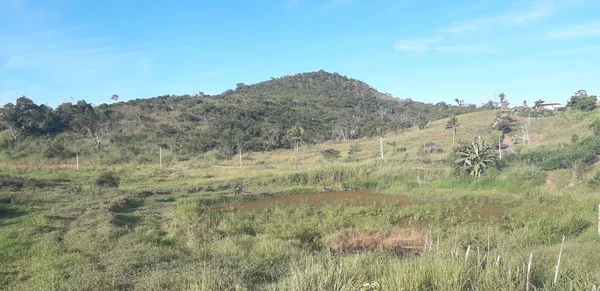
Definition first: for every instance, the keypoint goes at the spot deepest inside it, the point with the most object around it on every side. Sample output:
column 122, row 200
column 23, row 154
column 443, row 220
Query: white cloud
column 462, row 48
column 61, row 57
column 421, row 45
column 417, row 45
column 520, row 14
column 577, row 50
column 582, row 30
column 292, row 4
column 336, row 3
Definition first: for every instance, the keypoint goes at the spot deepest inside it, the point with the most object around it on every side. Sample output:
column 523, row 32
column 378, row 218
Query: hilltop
column 328, row 106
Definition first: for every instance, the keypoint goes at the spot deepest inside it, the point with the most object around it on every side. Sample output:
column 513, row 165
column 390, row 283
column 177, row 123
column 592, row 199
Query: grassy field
column 184, row 227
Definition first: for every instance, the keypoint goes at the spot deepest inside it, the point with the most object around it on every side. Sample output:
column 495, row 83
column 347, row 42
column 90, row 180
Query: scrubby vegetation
column 431, row 215
column 255, row 117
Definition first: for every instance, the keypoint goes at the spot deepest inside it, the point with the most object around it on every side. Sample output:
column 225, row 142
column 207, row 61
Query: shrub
column 17, row 183
column 108, row 179
column 585, row 152
column 594, row 182
column 331, row 154
column 432, row 147
column 353, row 153
column 57, row 150
column 574, row 138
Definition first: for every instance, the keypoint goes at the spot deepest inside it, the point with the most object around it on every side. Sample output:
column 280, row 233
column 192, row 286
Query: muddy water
column 320, row 199
column 476, row 212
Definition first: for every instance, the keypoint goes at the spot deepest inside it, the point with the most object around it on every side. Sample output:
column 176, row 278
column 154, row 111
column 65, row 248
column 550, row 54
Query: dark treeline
column 256, row 117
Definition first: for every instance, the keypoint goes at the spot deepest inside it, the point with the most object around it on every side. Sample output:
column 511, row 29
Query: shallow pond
column 357, row 198
column 320, row 199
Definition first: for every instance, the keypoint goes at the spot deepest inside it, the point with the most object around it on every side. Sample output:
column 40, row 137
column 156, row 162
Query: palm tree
column 538, row 103
column 295, row 135
column 452, row 124
column 476, row 157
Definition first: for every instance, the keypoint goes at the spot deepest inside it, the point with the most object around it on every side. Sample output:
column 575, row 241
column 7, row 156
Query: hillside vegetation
column 251, row 117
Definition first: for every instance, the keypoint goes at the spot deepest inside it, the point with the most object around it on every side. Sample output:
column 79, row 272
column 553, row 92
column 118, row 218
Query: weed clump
column 594, row 182
column 108, row 180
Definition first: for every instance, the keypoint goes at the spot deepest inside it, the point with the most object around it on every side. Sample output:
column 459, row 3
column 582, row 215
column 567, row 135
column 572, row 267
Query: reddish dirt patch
column 535, row 137
column 398, row 241
column 507, row 144
column 45, row 165
column 320, row 199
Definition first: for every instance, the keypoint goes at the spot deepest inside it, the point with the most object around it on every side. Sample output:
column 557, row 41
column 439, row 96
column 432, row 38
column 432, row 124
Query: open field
column 213, row 225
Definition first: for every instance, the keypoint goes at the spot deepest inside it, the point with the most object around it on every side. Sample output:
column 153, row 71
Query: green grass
column 161, row 230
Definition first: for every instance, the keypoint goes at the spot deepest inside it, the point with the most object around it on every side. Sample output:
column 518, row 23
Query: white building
column 552, row 106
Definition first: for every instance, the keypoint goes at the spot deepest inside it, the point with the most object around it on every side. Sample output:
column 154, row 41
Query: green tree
column 453, row 124
column 578, row 95
column 96, row 122
column 504, row 122
column 503, row 102
column 582, row 101
column 354, row 151
column 22, row 117
column 595, row 127
column 587, row 103
column 475, row 158
column 295, row 135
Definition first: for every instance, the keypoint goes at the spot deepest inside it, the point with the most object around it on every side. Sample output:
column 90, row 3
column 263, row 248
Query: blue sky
column 425, row 50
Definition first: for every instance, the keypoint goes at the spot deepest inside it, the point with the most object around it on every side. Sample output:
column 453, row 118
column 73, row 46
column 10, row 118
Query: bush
column 17, row 183
column 108, row 179
column 594, row 182
column 353, row 153
column 57, row 150
column 331, row 154
column 432, row 147
column 585, row 152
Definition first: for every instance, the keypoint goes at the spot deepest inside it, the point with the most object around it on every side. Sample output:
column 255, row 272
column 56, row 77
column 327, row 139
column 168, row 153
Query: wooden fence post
column 558, row 263
column 381, row 146
column 528, row 283
column 467, row 254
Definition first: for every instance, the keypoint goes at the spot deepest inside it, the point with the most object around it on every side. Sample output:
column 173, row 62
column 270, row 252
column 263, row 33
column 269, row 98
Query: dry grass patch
column 397, row 241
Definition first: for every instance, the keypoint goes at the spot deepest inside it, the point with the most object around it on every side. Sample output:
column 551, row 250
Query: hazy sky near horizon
column 425, row 50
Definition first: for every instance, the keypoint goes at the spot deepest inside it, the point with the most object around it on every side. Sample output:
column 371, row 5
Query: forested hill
column 258, row 117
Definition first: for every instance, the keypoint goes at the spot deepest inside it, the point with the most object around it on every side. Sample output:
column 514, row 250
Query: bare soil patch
column 397, row 241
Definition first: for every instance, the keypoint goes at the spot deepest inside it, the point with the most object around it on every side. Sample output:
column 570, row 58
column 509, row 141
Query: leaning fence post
column 558, row 262
column 598, row 219
column 467, row 254
column 528, row 286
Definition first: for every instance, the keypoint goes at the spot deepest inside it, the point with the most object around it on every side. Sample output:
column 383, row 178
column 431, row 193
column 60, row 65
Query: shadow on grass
column 126, row 220
column 6, row 213
column 127, row 206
